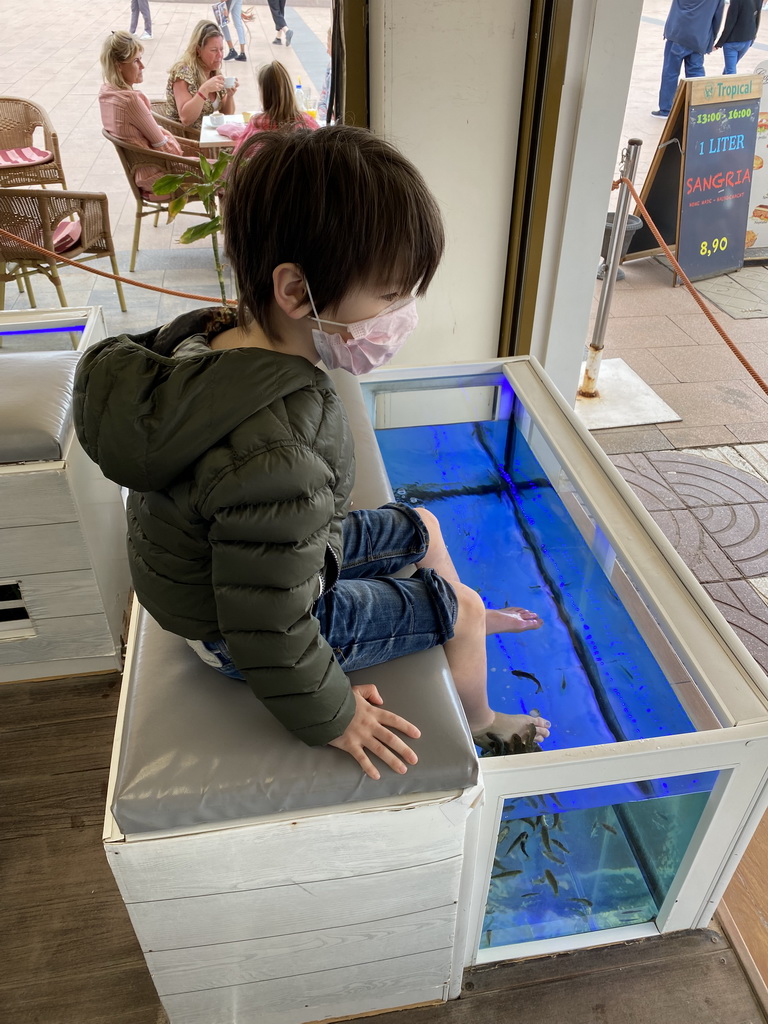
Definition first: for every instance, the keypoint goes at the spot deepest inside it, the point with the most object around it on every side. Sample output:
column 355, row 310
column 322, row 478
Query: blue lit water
column 44, row 339
column 588, row 859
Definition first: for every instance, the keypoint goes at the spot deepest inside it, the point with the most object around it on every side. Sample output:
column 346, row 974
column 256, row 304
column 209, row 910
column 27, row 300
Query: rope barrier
column 684, row 278
column 58, row 258
column 233, row 302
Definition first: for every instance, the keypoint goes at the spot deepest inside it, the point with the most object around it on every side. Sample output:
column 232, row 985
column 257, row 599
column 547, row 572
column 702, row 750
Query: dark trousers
column 277, row 7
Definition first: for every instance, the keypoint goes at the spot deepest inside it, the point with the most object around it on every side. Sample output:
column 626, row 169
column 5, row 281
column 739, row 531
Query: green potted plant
column 205, row 187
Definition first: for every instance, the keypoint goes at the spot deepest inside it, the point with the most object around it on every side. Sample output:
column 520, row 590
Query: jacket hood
column 145, row 416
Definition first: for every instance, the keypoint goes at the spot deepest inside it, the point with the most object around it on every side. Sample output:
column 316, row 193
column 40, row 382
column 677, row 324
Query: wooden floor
column 71, row 956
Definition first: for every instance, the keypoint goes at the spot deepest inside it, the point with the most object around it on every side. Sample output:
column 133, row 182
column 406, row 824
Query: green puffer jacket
column 240, row 464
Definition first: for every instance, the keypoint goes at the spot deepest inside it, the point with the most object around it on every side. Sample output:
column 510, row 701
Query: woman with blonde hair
column 195, row 83
column 278, row 99
column 125, row 112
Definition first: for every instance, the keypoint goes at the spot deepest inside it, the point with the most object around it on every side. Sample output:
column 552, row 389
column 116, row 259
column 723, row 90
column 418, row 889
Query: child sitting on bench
column 240, row 462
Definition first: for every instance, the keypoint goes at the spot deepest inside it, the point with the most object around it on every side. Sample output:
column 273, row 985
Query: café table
column 210, row 140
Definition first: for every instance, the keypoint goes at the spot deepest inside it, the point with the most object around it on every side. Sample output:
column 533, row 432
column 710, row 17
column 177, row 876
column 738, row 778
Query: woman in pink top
column 278, row 99
column 125, row 112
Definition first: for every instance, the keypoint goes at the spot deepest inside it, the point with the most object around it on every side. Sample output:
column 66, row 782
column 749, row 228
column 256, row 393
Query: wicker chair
column 34, row 216
column 132, row 158
column 159, row 112
column 18, row 120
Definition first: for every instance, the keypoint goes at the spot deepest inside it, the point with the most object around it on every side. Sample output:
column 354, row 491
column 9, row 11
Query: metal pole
column 629, row 157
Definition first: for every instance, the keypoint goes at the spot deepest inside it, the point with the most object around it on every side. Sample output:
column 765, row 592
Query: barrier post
column 588, row 387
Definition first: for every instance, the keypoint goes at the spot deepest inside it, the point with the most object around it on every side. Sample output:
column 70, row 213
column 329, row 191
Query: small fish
column 532, row 800
column 578, row 899
column 536, row 586
column 609, row 828
column 556, row 801
column 563, row 684
column 517, row 842
column 557, row 822
column 523, row 849
column 527, row 894
column 545, row 837
column 502, row 835
column 507, row 874
column 527, row 675
column 530, row 821
column 488, row 937
column 551, row 856
column 552, row 881
column 561, row 846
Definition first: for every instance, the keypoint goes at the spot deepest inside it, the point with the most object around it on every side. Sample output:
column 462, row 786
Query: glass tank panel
column 588, row 860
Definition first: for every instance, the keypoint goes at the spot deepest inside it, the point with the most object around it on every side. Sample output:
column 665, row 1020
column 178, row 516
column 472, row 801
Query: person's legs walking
column 134, row 16
column 236, row 13
column 732, row 54
column 694, row 65
column 277, row 9
column 674, row 56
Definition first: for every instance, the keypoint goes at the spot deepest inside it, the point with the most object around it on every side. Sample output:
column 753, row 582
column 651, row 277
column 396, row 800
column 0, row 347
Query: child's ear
column 291, row 290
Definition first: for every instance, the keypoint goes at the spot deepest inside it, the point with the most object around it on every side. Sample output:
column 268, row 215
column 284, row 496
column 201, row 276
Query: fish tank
column 631, row 819
column 49, row 330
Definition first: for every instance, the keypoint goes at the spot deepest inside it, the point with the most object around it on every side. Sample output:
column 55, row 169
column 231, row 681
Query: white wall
column 600, row 56
column 446, row 77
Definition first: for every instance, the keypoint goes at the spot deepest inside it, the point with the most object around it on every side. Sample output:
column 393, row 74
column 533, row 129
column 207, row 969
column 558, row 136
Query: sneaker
column 145, row 35
column 241, row 56
column 232, row 55
column 288, row 37
column 659, row 113
column 277, row 42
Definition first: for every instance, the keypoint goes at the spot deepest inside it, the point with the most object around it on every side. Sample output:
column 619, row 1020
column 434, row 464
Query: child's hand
column 370, row 729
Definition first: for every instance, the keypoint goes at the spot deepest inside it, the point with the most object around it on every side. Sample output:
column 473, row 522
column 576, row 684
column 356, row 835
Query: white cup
column 217, row 119
column 229, row 82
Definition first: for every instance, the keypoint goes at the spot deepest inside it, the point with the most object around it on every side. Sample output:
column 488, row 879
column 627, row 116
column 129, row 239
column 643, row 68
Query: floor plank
column 58, row 700
column 747, row 898
column 694, row 980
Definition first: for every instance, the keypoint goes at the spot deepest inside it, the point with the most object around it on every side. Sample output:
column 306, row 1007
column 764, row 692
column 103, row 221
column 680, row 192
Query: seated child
column 279, row 106
column 240, row 462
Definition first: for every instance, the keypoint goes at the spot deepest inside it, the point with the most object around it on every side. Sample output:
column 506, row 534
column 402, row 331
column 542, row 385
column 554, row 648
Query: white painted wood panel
column 281, row 956
column 76, row 636
column 281, row 852
column 102, row 516
column 56, row 594
column 349, row 991
column 27, row 550
column 35, row 498
column 283, row 910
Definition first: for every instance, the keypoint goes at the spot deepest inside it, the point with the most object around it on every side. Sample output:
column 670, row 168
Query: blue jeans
column 370, row 616
column 235, row 8
column 732, row 54
column 674, row 57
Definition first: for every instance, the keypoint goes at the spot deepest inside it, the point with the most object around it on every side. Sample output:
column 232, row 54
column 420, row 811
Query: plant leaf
column 167, row 184
column 206, row 168
column 208, row 227
column 176, row 206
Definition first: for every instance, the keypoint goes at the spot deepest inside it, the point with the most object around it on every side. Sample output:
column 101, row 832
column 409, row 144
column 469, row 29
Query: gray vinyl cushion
column 35, row 404
column 198, row 748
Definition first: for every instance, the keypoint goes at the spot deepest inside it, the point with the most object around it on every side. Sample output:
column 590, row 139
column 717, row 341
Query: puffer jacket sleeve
column 267, row 556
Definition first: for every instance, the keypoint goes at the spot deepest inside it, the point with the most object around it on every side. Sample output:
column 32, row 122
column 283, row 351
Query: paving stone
column 694, row 545
column 700, row 481
column 741, row 531
column 696, row 437
column 746, row 611
column 715, row 403
column 646, row 482
column 620, row 440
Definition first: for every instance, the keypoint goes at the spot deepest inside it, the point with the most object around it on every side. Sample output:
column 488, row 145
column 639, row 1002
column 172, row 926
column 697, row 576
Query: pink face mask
column 374, row 341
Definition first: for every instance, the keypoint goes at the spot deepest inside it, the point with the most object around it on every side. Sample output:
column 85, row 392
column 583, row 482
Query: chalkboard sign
column 698, row 187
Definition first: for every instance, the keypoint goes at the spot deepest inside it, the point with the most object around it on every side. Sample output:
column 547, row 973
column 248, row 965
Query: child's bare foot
column 512, row 730
column 511, row 620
